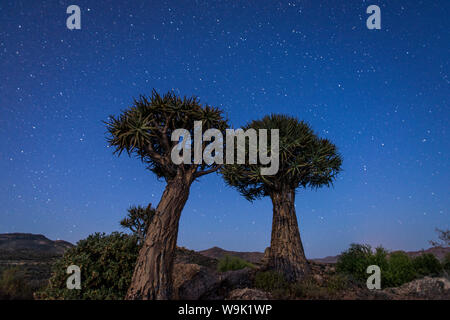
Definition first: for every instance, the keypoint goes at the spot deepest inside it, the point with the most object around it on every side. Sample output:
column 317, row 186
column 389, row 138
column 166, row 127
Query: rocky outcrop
column 425, row 288
column 195, row 282
column 248, row 294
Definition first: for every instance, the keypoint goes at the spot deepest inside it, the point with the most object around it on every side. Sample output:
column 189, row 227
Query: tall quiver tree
column 145, row 130
column 305, row 161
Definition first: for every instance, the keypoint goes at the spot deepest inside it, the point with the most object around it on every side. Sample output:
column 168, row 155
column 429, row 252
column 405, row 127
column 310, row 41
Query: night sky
column 382, row 96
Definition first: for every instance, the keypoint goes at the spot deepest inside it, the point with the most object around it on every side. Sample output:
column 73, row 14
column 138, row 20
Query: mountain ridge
column 38, row 243
column 255, row 257
column 13, row 242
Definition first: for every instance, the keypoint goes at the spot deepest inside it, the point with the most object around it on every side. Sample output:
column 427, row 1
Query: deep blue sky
column 382, row 96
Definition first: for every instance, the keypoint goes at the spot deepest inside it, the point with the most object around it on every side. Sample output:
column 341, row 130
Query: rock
column 425, row 288
column 236, row 279
column 195, row 282
column 330, row 269
column 318, row 278
column 248, row 294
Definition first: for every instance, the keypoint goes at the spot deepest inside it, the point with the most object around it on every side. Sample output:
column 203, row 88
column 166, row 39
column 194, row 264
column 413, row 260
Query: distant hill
column 255, row 257
column 438, row 252
column 328, row 259
column 217, row 253
column 14, row 243
column 33, row 253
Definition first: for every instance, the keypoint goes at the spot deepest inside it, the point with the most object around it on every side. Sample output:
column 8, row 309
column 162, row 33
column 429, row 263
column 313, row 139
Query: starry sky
column 382, row 96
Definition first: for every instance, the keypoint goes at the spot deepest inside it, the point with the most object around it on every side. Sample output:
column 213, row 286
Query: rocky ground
column 196, row 278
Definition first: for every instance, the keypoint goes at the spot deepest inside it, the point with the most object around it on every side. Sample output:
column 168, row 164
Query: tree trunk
column 152, row 277
column 286, row 253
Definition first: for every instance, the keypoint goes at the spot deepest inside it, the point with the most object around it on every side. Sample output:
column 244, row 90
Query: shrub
column 358, row 257
column 311, row 288
column 337, row 283
column 14, row 285
column 106, row 262
column 308, row 288
column 399, row 271
column 354, row 261
column 270, row 281
column 380, row 258
column 395, row 270
column 228, row 263
column 427, row 265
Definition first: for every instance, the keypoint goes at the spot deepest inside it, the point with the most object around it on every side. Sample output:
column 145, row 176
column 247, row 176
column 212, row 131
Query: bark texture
column 286, row 254
column 152, row 277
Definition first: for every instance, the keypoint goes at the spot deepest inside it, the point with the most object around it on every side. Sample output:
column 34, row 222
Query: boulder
column 192, row 281
column 196, row 282
column 425, row 288
column 236, row 279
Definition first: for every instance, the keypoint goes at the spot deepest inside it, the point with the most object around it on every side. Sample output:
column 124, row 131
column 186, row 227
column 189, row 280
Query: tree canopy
column 305, row 160
column 145, row 130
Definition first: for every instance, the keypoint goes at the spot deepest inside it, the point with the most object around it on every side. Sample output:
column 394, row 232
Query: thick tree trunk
column 152, row 278
column 286, row 253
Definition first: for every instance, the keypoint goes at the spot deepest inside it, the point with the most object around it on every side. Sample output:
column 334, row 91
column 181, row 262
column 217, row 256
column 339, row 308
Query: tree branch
column 211, row 170
column 154, row 155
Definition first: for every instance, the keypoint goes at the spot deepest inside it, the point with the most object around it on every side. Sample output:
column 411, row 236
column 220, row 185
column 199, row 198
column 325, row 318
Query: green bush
column 354, row 261
column 358, row 257
column 427, row 265
column 446, row 263
column 14, row 285
column 106, row 262
column 399, row 271
column 228, row 263
column 395, row 270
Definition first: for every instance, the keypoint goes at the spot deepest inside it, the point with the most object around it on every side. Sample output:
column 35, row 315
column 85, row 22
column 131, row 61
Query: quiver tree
column 444, row 238
column 305, row 160
column 145, row 130
column 138, row 220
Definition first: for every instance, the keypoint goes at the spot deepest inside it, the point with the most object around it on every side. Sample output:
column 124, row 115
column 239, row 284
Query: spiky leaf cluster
column 305, row 160
column 138, row 220
column 444, row 238
column 145, row 130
